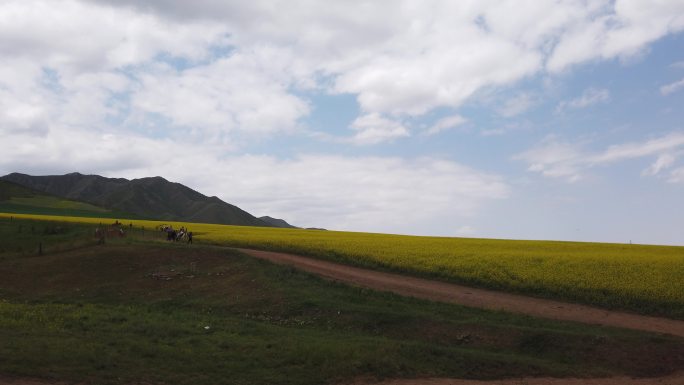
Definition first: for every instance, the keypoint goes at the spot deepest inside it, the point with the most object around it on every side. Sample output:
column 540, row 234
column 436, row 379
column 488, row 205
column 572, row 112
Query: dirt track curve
column 488, row 299
column 677, row 379
column 468, row 296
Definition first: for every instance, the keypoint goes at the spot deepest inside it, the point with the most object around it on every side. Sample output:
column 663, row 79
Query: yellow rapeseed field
column 641, row 278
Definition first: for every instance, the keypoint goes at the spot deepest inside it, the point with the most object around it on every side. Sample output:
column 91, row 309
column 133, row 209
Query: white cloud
column 76, row 36
column 553, row 158
column 672, row 87
column 446, row 124
column 517, row 105
column 408, row 56
column 230, row 94
column 620, row 29
column 362, row 193
column 679, row 64
column 677, row 176
column 398, row 58
column 365, row 193
column 663, row 162
column 71, row 64
column 374, row 128
column 589, row 97
column 394, row 69
column 22, row 115
column 640, row 149
column 172, row 88
column 410, row 78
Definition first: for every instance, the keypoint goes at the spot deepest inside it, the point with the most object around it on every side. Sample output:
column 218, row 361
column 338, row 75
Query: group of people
column 183, row 234
column 117, row 230
column 113, row 230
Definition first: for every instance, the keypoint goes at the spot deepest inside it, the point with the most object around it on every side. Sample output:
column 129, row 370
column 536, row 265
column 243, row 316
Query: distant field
column 640, row 278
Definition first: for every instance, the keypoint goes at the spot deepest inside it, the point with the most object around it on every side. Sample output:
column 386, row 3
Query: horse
column 181, row 236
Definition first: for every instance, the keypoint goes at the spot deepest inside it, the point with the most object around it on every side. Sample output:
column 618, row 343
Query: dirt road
column 468, row 296
column 677, row 379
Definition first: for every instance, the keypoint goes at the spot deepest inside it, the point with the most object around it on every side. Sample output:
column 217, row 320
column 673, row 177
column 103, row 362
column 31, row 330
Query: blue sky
column 509, row 119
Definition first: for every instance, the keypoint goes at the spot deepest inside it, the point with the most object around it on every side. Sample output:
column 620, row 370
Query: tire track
column 473, row 297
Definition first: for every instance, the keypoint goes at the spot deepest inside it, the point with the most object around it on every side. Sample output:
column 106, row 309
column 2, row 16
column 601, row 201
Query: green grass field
column 24, row 237
column 639, row 278
column 139, row 310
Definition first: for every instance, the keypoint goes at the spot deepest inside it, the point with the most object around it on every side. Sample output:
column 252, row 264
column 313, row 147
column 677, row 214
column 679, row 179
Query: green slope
column 153, row 197
column 18, row 199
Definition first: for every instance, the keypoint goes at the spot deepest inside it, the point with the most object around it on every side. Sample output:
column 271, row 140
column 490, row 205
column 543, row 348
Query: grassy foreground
column 143, row 311
column 639, row 278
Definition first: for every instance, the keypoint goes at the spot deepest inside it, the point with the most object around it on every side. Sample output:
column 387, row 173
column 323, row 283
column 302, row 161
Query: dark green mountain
column 18, row 199
column 276, row 222
column 153, row 198
column 9, row 190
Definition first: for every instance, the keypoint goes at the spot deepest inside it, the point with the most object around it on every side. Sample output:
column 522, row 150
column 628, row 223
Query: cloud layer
column 180, row 89
column 226, row 67
column 350, row 193
column 589, row 97
column 569, row 161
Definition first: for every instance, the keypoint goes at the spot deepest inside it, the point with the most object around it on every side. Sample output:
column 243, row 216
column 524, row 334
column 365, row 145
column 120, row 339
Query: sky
column 515, row 119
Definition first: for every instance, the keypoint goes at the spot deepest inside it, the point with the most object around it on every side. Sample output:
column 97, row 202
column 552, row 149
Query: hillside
column 276, row 222
column 15, row 198
column 154, row 198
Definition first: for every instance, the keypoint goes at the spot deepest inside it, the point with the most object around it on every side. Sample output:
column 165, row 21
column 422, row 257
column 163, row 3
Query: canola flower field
column 638, row 278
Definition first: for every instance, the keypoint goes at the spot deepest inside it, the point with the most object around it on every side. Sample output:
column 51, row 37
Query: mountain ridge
column 277, row 222
column 149, row 197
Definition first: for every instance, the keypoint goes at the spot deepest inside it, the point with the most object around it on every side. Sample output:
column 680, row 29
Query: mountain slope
column 276, row 222
column 15, row 198
column 154, row 198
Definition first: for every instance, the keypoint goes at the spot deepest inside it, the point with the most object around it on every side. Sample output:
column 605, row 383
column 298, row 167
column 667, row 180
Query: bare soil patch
column 26, row 381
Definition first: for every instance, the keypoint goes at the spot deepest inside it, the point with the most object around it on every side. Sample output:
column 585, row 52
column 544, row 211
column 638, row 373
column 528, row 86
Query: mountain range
column 152, row 198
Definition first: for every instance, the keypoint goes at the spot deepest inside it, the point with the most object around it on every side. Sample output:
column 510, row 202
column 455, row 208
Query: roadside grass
column 639, row 278
column 130, row 344
column 135, row 311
